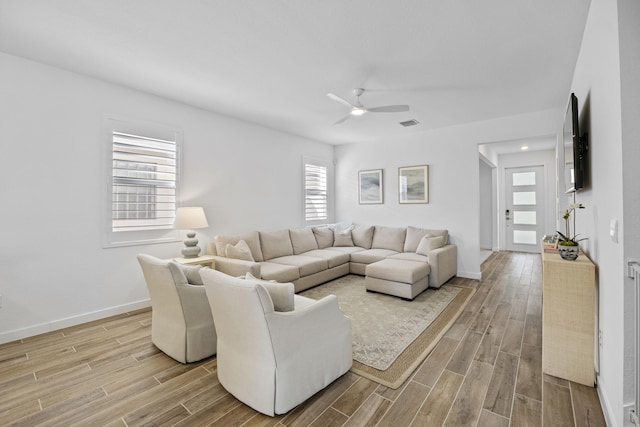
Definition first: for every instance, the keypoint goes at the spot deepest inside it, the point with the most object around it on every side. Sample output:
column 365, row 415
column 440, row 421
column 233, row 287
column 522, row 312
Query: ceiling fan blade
column 344, row 119
column 340, row 100
column 389, row 109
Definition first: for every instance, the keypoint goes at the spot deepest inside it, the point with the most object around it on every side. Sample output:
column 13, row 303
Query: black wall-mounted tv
column 575, row 149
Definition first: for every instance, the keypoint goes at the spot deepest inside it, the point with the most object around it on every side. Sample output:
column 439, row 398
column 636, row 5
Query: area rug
column 391, row 336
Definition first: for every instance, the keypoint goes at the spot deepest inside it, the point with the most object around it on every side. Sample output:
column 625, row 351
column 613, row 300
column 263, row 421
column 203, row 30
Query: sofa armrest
column 236, row 267
column 444, row 265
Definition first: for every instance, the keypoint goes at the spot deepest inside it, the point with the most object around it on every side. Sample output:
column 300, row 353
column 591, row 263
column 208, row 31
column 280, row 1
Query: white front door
column 524, row 208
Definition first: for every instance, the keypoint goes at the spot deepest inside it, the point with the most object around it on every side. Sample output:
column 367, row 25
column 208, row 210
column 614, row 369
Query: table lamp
column 190, row 219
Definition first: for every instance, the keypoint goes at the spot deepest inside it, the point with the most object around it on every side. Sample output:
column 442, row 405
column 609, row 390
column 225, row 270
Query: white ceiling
column 273, row 62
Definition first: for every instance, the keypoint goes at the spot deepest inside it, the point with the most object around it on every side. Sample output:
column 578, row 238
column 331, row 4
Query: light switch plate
column 613, row 230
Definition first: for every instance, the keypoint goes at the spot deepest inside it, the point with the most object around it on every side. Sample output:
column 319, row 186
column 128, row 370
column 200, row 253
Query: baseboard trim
column 606, row 407
column 42, row 328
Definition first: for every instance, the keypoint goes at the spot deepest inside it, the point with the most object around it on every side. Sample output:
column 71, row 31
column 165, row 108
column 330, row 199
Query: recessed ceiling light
column 524, row 147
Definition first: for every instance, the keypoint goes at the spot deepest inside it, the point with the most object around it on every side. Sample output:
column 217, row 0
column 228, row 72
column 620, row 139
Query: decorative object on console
column 413, row 184
column 567, row 245
column 370, row 187
column 190, row 218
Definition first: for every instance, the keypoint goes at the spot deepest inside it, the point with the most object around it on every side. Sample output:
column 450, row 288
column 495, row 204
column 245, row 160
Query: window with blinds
column 143, row 185
column 315, row 192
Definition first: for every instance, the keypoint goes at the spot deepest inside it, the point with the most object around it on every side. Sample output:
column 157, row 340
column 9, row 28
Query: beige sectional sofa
column 310, row 256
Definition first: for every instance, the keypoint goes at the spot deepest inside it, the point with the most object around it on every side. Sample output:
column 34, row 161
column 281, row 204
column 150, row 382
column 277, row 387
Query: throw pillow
column 281, row 293
column 324, row 237
column 362, row 236
column 342, row 238
column 192, row 273
column 429, row 243
column 185, row 274
column 240, row 250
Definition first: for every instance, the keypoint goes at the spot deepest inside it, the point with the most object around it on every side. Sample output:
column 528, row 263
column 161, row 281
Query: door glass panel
column 524, row 178
column 524, row 197
column 524, row 217
column 521, row 237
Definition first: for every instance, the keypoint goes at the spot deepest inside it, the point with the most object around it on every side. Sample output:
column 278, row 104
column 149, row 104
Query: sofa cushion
column 307, row 265
column 275, row 244
column 414, row 235
column 240, row 250
column 398, row 270
column 410, row 256
column 302, row 240
column 279, row 272
column 368, row 256
column 324, row 237
column 252, row 238
column 362, row 236
column 389, row 238
column 281, row 293
column 345, row 249
column 342, row 238
column 333, row 258
column 429, row 243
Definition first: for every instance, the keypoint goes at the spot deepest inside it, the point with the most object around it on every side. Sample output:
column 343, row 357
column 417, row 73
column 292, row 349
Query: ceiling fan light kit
column 358, row 109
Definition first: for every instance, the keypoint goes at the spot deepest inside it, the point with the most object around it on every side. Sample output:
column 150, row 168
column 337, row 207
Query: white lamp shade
column 190, row 218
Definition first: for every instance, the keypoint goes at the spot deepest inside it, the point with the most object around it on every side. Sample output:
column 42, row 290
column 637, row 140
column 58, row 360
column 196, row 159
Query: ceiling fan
column 358, row 109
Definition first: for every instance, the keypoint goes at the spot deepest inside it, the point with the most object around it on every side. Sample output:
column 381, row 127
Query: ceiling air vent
column 411, row 122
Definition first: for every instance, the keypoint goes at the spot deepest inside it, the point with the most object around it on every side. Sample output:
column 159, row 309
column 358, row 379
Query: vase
column 569, row 252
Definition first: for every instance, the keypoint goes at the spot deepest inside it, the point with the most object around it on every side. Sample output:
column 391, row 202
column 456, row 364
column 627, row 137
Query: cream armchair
column 181, row 321
column 270, row 360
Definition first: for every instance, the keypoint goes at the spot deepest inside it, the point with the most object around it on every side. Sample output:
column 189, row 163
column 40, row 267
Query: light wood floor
column 486, row 372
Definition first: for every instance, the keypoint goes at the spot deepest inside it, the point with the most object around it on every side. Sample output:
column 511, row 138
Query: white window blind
column 315, row 192
column 144, row 175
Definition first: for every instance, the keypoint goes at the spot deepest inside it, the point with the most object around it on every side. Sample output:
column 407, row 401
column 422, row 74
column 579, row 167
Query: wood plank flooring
column 486, row 371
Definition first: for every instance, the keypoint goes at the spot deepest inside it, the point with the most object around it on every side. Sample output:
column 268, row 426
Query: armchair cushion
column 281, row 293
column 185, row 274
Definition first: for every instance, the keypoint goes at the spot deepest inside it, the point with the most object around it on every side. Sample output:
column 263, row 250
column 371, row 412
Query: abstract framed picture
column 370, row 186
column 413, row 184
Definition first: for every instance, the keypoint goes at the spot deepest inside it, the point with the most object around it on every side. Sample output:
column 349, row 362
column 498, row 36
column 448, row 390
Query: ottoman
column 397, row 277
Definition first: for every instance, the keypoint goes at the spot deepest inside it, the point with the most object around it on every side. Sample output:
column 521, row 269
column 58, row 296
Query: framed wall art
column 370, row 186
column 413, row 184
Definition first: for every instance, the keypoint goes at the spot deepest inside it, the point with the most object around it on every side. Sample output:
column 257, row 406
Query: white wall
column 53, row 269
column 629, row 35
column 487, row 210
column 452, row 156
column 596, row 83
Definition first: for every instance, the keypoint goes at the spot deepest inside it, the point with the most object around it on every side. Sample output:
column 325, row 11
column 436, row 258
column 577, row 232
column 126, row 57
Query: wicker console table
column 568, row 318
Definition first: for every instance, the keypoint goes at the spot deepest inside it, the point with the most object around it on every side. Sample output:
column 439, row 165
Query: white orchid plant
column 567, row 240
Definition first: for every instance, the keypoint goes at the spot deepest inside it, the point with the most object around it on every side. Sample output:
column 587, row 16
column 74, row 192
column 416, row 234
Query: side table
column 206, row 260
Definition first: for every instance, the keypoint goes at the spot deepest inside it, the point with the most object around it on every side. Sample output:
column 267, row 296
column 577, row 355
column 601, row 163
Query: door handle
column 506, row 213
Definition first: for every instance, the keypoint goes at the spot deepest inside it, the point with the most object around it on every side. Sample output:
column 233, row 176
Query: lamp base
column 191, row 248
